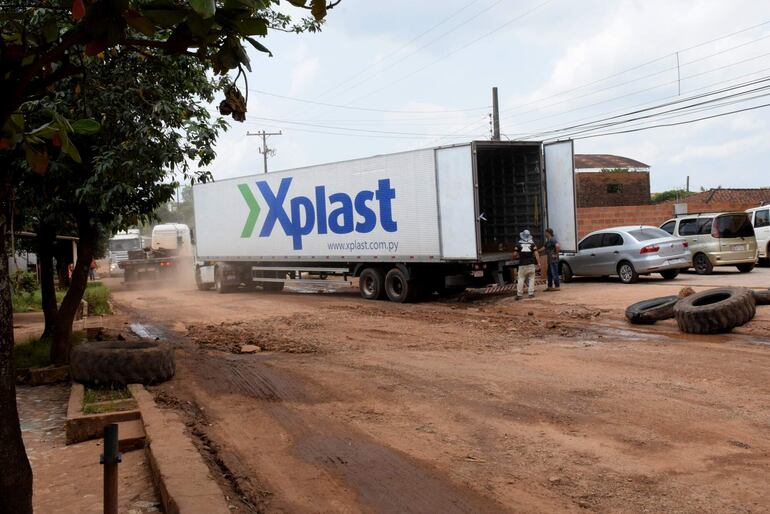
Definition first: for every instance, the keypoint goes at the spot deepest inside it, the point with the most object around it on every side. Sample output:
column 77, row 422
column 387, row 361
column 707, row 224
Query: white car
column 760, row 218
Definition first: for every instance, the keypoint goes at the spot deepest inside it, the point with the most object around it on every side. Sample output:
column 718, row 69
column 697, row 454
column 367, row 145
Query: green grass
column 95, row 395
column 35, row 353
column 97, row 295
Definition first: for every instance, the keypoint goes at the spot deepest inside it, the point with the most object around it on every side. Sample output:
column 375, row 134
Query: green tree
column 46, row 42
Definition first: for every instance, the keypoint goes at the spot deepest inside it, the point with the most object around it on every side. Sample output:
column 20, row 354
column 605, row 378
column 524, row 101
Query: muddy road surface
column 476, row 404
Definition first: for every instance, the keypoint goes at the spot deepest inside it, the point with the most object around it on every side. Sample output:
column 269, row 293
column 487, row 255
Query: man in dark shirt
column 528, row 264
column 552, row 248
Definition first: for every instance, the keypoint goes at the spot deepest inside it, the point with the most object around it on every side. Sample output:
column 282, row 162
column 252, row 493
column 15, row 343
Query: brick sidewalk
column 68, row 479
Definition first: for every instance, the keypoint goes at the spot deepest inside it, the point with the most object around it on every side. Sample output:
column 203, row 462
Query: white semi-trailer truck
column 406, row 224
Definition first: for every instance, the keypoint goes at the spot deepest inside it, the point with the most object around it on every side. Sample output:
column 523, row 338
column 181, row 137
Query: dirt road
column 487, row 405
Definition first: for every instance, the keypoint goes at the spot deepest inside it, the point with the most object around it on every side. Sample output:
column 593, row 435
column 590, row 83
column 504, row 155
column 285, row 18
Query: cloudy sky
column 404, row 74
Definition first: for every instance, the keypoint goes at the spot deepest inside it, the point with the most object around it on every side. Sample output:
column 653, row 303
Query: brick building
column 610, row 180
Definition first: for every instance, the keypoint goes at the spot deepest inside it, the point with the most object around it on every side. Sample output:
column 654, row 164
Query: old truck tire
column 398, row 288
column 122, row 362
column 761, row 297
column 714, row 311
column 648, row 312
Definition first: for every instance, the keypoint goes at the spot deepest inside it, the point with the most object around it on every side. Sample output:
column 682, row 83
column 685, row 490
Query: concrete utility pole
column 495, row 116
column 265, row 150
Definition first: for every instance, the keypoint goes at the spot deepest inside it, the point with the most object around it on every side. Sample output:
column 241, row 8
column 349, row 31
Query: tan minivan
column 717, row 239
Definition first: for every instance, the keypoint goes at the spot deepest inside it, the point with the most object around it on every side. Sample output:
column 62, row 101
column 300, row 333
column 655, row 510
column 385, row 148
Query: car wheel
column 702, row 264
column 566, row 272
column 745, row 268
column 627, row 273
column 670, row 274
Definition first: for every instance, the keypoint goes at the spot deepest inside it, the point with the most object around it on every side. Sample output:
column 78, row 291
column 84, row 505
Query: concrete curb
column 179, row 472
column 82, row 427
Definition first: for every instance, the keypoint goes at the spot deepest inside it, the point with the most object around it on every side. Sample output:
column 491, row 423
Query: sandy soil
column 476, row 404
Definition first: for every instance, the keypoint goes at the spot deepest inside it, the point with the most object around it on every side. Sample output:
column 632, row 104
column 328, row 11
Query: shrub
column 24, row 282
column 98, row 297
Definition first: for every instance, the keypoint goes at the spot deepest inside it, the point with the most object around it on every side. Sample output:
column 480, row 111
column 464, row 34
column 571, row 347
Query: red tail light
column 686, row 244
column 650, row 249
column 165, row 264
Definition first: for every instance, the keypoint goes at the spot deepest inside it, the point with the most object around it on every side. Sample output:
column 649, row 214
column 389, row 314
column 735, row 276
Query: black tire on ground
column 566, row 272
column 648, row 312
column 122, row 362
column 199, row 281
column 272, row 287
column 398, row 288
column 714, row 311
column 670, row 274
column 745, row 268
column 702, row 264
column 627, row 273
column 371, row 284
column 761, row 297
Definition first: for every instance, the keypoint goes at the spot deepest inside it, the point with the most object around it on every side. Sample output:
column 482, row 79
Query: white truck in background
column 406, row 224
column 120, row 244
column 170, row 251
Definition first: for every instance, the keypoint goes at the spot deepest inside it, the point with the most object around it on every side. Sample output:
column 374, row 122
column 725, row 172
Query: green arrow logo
column 248, row 228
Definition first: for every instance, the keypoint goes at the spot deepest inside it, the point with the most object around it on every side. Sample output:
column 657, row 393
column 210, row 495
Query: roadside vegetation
column 98, row 400
column 36, row 353
column 27, row 296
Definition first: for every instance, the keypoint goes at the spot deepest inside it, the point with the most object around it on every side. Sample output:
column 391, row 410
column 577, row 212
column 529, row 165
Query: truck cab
column 120, row 244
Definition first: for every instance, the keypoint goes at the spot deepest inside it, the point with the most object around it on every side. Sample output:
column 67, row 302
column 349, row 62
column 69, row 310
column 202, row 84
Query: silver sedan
column 627, row 252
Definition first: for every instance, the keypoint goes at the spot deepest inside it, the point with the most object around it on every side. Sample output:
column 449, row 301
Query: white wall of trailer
column 222, row 211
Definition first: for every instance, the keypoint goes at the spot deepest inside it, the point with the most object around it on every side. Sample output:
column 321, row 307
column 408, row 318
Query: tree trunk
column 16, row 473
column 88, row 234
column 46, row 238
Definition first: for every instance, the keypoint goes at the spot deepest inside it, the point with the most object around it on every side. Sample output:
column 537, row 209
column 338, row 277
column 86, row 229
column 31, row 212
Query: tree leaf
column 318, row 8
column 86, row 127
column 206, row 8
column 78, row 10
column 252, row 27
column 68, row 148
column 164, row 17
column 298, row 3
column 38, row 161
column 259, row 46
column 139, row 23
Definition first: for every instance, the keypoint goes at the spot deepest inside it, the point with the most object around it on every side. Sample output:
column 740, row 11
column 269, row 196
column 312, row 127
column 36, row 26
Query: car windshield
column 124, row 245
column 734, row 225
column 643, row 234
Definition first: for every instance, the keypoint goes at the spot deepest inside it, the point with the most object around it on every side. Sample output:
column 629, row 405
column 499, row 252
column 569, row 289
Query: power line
column 463, row 47
column 347, row 128
column 639, row 66
column 676, row 124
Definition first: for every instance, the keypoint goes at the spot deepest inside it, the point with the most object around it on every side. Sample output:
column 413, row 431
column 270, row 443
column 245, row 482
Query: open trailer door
column 561, row 202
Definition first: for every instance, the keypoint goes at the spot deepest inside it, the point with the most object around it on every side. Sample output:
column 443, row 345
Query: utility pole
column 265, row 150
column 495, row 116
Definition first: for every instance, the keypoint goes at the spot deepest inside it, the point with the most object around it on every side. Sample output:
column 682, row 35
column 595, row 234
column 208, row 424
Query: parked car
column 627, row 252
column 717, row 239
column 760, row 218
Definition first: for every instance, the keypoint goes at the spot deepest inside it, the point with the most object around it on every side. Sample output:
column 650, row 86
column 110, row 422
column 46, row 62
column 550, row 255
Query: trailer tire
column 272, row 287
column 761, row 297
column 219, row 285
column 371, row 284
column 398, row 288
column 122, row 362
column 648, row 312
column 716, row 310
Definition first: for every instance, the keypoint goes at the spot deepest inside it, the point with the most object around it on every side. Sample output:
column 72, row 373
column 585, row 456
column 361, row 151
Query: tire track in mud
column 383, row 479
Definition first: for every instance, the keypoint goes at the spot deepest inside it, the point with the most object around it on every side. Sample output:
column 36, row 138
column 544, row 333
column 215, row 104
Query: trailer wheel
column 272, row 287
column 398, row 288
column 371, row 283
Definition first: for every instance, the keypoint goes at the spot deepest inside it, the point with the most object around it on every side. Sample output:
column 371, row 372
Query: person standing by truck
column 551, row 249
column 526, row 250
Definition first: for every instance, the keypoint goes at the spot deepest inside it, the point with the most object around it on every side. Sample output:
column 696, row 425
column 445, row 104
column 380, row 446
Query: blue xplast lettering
column 337, row 212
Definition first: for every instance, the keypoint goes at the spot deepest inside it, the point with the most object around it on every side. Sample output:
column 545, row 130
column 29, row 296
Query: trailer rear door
column 456, row 202
column 561, row 203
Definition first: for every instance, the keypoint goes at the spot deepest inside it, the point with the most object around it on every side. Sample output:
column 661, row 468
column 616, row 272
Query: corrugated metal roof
column 598, row 160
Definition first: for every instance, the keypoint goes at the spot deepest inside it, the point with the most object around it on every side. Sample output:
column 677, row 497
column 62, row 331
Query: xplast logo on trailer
column 338, row 213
